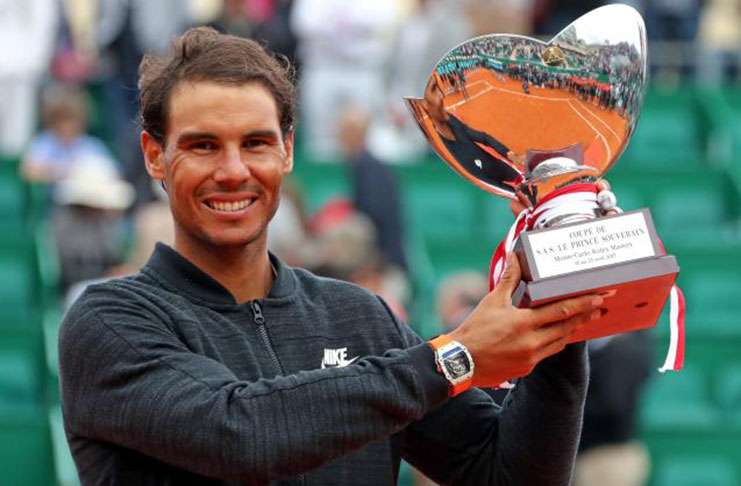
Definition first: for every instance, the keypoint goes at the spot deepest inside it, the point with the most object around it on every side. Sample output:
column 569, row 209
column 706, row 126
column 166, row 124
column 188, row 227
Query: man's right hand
column 506, row 342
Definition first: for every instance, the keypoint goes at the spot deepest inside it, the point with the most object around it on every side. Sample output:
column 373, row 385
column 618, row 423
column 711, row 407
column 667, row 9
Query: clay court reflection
column 497, row 106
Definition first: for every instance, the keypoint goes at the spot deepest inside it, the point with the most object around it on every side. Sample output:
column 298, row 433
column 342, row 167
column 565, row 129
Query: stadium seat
column 66, row 473
column 695, row 471
column 679, row 401
column 728, row 393
column 667, row 134
column 713, row 303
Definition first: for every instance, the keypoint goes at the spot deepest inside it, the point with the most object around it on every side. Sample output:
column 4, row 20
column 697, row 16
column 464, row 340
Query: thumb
column 511, row 277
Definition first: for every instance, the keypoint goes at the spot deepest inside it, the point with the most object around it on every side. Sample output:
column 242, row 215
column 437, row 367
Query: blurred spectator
column 609, row 454
column 674, row 21
column 88, row 221
column 343, row 48
column 375, row 188
column 434, row 27
column 347, row 250
column 152, row 223
column 27, row 35
column 501, row 16
column 720, row 36
column 288, row 234
column 267, row 21
column 458, row 295
column 64, row 142
column 124, row 29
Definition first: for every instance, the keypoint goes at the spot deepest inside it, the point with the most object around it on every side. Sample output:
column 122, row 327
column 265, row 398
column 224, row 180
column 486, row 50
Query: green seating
column 25, row 448
column 66, row 473
column 320, row 183
column 679, row 401
column 695, row 471
column 728, row 393
column 713, row 303
column 667, row 134
column 438, row 204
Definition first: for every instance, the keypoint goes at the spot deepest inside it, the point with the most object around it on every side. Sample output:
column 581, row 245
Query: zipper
column 259, row 319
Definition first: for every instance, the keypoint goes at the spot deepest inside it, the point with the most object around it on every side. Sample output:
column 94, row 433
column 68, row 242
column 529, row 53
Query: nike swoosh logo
column 341, row 364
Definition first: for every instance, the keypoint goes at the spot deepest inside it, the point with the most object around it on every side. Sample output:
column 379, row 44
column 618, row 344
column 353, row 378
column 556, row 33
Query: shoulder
column 119, row 303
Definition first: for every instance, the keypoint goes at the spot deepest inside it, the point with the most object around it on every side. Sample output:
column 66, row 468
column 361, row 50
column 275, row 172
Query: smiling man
column 216, row 364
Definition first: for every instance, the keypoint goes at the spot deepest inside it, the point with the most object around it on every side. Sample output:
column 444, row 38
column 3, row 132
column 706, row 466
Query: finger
column 516, row 207
column 567, row 327
column 562, row 310
column 523, row 199
column 510, row 279
column 553, row 348
column 603, row 185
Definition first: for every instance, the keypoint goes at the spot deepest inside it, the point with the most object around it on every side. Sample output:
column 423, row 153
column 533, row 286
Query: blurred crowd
column 68, row 71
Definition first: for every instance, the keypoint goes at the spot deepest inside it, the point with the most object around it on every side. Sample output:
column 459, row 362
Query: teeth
column 229, row 206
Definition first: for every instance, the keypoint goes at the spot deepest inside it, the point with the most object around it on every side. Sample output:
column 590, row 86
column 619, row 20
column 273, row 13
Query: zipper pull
column 257, row 312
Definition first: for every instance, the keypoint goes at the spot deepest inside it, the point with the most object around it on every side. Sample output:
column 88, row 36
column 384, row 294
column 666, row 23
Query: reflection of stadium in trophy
column 585, row 87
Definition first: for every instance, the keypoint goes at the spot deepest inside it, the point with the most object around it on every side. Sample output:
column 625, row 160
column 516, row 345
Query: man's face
column 222, row 163
column 434, row 101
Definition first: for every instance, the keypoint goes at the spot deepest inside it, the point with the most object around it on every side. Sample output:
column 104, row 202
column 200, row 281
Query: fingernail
column 595, row 315
column 606, row 294
column 597, row 301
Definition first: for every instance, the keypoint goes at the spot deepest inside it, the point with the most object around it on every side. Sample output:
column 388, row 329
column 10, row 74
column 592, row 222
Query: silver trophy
column 530, row 120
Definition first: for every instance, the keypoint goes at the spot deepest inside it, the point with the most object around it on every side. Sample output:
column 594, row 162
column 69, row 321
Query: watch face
column 456, row 362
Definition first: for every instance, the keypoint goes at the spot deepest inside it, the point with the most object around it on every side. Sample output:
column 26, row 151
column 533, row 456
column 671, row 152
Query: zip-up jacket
column 167, row 380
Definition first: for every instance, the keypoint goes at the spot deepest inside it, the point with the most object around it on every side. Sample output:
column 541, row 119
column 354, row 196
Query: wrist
column 454, row 362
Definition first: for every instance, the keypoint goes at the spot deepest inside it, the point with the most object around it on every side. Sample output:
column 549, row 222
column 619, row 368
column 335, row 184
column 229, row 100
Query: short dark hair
column 204, row 54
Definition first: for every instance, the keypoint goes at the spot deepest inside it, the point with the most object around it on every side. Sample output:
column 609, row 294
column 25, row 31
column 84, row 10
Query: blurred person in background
column 609, row 452
column 457, row 295
column 87, row 222
column 63, row 142
column 501, row 16
column 347, row 249
column 28, row 30
column 344, row 48
column 433, row 28
column 675, row 24
column 289, row 236
column 122, row 31
column 375, row 186
column 720, row 37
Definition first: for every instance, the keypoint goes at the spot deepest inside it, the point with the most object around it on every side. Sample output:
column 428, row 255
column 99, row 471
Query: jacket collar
column 191, row 280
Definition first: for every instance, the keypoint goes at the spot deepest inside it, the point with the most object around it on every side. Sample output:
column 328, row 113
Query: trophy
column 542, row 122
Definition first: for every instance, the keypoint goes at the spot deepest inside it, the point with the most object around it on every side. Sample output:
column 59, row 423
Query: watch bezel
column 439, row 356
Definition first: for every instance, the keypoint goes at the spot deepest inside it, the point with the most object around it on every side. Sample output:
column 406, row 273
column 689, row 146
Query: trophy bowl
column 542, row 122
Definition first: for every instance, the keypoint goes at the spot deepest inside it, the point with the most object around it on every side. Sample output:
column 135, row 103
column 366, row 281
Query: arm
column 477, row 136
column 127, row 380
column 533, row 439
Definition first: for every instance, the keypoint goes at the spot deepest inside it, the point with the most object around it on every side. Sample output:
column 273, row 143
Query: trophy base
column 641, row 289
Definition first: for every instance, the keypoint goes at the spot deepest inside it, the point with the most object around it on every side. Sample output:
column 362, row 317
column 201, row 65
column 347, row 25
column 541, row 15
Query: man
column 479, row 154
column 219, row 365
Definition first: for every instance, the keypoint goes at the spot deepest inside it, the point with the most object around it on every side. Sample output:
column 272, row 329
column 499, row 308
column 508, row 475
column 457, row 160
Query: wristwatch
column 454, row 362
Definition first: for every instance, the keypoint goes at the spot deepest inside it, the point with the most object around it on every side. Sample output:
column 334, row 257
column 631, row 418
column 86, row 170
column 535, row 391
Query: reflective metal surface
column 512, row 113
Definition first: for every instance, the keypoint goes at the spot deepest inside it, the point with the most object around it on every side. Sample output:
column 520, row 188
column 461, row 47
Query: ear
column 288, row 161
column 154, row 156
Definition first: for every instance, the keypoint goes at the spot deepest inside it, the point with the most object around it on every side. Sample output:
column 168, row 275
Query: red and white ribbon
column 582, row 198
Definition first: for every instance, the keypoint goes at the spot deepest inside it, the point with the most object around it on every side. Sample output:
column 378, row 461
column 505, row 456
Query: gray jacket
column 166, row 380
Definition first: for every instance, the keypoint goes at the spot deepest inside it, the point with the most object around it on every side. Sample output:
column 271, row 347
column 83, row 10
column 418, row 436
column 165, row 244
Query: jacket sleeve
column 128, row 380
column 531, row 441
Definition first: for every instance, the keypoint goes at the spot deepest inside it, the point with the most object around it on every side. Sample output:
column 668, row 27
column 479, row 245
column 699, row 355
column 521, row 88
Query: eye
column 203, row 147
column 256, row 143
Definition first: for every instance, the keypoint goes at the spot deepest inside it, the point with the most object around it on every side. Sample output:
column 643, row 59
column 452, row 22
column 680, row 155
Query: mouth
column 229, row 206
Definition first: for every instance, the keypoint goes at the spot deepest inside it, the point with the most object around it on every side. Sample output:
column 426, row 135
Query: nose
column 233, row 169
